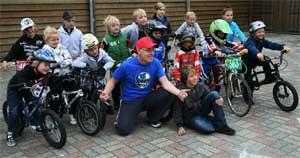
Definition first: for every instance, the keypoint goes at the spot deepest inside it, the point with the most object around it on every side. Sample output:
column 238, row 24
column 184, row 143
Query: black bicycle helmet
column 154, row 25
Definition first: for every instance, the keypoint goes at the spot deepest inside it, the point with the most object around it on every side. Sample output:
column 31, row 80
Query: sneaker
column 72, row 120
column 226, row 130
column 156, row 124
column 10, row 140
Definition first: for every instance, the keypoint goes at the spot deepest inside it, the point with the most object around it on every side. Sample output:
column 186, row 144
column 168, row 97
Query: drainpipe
column 92, row 16
column 188, row 5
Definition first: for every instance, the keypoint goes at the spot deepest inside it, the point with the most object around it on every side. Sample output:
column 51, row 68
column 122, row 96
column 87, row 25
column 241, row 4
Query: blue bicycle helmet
column 44, row 55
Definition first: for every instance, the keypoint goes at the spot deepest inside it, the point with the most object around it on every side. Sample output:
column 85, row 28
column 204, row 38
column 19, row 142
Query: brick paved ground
column 265, row 132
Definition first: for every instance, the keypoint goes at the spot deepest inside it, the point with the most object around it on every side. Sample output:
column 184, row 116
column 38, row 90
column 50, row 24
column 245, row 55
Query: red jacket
column 185, row 59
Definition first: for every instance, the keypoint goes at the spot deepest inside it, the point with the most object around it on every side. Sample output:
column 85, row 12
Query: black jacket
column 184, row 111
column 24, row 47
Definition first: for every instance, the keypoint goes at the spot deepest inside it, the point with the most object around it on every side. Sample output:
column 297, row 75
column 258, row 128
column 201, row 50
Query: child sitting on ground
column 194, row 111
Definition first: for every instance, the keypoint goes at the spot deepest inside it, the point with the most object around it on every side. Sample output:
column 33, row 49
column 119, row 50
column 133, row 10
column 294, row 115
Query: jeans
column 204, row 123
column 156, row 104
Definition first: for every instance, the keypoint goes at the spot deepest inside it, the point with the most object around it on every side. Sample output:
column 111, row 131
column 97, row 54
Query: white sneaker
column 72, row 120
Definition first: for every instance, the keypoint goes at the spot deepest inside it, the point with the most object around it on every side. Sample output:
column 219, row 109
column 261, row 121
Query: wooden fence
column 49, row 12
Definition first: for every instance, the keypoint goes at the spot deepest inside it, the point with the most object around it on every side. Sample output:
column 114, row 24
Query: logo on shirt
column 142, row 80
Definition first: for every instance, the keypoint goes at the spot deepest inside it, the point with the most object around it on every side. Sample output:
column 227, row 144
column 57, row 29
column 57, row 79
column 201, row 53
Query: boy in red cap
column 138, row 76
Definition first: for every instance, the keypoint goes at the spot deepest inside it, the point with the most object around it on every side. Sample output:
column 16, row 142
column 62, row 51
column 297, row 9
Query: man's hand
column 260, row 56
column 181, row 131
column 104, row 96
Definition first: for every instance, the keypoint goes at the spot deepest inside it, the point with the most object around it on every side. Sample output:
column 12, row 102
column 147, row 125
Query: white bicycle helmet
column 89, row 41
column 256, row 25
column 25, row 23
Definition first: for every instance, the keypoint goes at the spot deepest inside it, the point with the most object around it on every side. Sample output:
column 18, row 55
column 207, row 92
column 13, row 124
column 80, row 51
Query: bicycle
column 86, row 112
column 51, row 125
column 237, row 92
column 282, row 89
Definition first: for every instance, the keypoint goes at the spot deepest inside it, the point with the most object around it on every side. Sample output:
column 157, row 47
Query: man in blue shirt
column 138, row 77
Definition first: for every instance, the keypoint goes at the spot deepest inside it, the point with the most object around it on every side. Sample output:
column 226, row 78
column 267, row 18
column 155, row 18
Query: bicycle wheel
column 89, row 118
column 238, row 94
column 53, row 129
column 20, row 124
column 285, row 96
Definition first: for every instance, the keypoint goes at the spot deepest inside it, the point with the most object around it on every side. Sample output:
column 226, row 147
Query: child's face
column 70, row 23
column 190, row 20
column 114, row 28
column 141, row 20
column 228, row 16
column 156, row 34
column 260, row 33
column 187, row 44
column 43, row 67
column 160, row 12
column 53, row 40
column 29, row 32
column 192, row 79
column 93, row 51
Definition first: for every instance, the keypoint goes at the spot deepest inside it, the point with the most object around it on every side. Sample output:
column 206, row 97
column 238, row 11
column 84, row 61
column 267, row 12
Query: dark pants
column 156, row 104
column 204, row 123
column 15, row 106
column 266, row 68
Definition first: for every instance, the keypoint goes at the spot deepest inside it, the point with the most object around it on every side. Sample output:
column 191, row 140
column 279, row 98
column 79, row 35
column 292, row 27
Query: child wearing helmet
column 237, row 35
column 194, row 111
column 93, row 55
column 255, row 44
column 191, row 26
column 160, row 16
column 38, row 69
column 24, row 47
column 186, row 56
column 155, row 32
column 217, row 46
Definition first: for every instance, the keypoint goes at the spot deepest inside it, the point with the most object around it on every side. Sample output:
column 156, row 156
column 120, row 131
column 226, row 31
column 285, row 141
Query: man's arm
column 168, row 86
column 105, row 94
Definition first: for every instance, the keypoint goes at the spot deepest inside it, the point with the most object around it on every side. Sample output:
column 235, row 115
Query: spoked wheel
column 53, row 129
column 89, row 118
column 238, row 95
column 20, row 124
column 285, row 96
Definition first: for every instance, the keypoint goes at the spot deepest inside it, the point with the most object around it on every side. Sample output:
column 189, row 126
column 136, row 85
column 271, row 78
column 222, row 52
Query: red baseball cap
column 145, row 42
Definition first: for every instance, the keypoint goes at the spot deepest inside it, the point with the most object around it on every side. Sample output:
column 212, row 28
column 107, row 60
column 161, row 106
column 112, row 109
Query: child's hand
column 286, row 49
column 260, row 56
column 243, row 51
column 219, row 53
column 181, row 131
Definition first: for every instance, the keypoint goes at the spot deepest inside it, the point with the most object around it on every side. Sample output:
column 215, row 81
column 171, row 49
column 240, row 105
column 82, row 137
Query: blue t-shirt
column 137, row 80
column 159, row 52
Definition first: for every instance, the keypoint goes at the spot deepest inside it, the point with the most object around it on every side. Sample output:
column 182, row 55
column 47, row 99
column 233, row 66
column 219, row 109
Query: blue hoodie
column 236, row 33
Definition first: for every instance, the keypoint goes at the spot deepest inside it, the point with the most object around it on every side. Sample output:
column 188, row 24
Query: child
column 116, row 45
column 194, row 111
column 160, row 16
column 136, row 30
column 217, row 46
column 186, row 56
column 155, row 32
column 255, row 44
column 191, row 26
column 70, row 36
column 63, row 59
column 60, row 53
column 237, row 35
column 29, row 42
column 94, row 57
column 38, row 69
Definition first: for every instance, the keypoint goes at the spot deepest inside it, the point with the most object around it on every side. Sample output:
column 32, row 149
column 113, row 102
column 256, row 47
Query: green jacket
column 116, row 47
